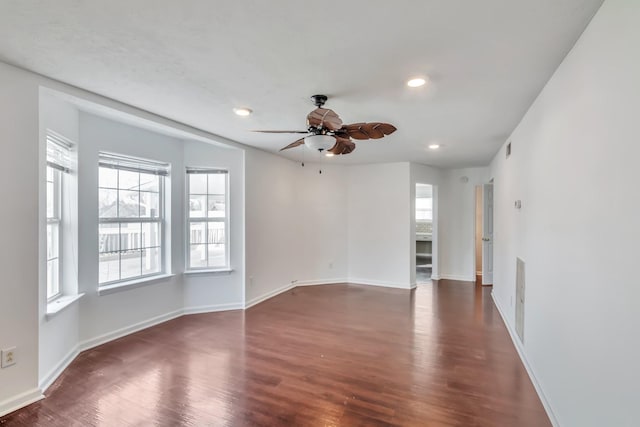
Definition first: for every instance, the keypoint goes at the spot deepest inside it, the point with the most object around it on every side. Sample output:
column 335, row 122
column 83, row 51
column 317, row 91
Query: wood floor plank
column 332, row 355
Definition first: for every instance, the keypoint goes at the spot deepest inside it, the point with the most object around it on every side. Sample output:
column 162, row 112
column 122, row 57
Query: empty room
column 345, row 213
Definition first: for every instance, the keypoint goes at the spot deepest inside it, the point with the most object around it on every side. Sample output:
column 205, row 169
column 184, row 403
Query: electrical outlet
column 8, row 356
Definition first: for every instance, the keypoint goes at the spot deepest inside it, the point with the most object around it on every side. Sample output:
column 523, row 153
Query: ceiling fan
column 326, row 132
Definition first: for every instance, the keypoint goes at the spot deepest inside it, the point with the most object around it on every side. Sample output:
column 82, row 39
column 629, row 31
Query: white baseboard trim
column 377, row 283
column 270, row 294
column 20, row 401
column 53, row 375
column 435, row 277
column 458, row 277
column 320, row 282
column 119, row 333
column 527, row 366
column 213, row 308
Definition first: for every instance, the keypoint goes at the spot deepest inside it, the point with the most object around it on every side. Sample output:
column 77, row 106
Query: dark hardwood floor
column 333, row 355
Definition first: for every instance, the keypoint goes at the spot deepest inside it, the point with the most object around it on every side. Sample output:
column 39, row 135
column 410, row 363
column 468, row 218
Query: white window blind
column 133, row 164
column 59, row 151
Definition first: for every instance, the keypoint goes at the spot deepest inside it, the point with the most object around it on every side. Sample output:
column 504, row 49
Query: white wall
column 379, row 214
column 574, row 166
column 19, row 176
column 59, row 335
column 218, row 291
column 104, row 314
column 456, row 227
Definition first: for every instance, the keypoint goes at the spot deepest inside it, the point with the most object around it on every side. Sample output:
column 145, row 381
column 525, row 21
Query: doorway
column 484, row 234
column 424, row 233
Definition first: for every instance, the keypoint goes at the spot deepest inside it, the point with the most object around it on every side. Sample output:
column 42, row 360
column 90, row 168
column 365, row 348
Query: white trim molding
column 377, row 283
column 457, row 277
column 271, row 294
column 212, row 308
column 20, row 401
column 57, row 370
column 523, row 357
column 119, row 333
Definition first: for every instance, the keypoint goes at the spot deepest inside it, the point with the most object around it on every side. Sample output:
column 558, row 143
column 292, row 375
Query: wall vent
column 520, row 291
column 508, row 149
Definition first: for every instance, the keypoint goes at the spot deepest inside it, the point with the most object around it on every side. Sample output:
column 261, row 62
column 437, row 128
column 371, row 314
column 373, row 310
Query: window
column 424, row 210
column 207, row 234
column 131, row 218
column 58, row 163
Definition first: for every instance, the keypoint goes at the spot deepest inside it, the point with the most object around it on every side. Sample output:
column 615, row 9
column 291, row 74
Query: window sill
column 131, row 284
column 57, row 305
column 209, row 271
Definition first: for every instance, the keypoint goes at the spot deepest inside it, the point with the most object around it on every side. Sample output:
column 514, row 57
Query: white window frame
column 225, row 220
column 141, row 166
column 55, row 220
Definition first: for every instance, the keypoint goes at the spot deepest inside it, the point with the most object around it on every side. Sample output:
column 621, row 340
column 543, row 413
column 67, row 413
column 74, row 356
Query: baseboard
column 213, row 308
column 527, row 366
column 53, row 375
column 457, row 277
column 119, row 333
column 381, row 284
column 320, row 282
column 271, row 294
column 435, row 277
column 20, row 401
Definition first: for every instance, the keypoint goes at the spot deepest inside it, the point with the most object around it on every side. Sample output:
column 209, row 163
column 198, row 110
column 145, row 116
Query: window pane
column 217, row 183
column 197, row 206
column 215, row 232
column 129, row 180
column 130, row 235
column 109, row 238
column 109, row 267
column 198, row 256
column 52, row 241
column 53, row 284
column 107, row 203
column 150, row 234
column 149, row 182
column 197, row 183
column 197, row 231
column 130, row 264
column 217, row 257
column 129, row 204
column 50, row 200
column 216, row 206
column 151, row 261
column 149, row 205
column 107, row 178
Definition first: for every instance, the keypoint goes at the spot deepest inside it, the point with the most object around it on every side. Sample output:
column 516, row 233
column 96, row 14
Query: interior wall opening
column 424, row 233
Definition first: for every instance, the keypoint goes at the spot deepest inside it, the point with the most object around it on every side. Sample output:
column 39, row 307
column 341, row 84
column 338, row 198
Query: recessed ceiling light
column 242, row 111
column 417, row 82
column 434, row 146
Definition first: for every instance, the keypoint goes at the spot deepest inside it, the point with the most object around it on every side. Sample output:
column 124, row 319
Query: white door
column 487, row 234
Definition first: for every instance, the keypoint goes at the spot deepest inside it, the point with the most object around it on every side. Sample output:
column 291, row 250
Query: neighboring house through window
column 208, row 223
column 131, row 218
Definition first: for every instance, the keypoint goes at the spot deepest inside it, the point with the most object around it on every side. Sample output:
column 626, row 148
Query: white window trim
column 202, row 270
column 128, row 163
column 57, row 220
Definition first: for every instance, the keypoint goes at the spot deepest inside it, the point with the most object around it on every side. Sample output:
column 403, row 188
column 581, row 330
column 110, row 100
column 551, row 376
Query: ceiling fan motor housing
column 319, row 100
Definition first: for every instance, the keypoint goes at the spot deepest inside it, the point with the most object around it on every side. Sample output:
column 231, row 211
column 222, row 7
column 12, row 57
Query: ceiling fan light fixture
column 320, row 142
column 243, row 111
column 416, row 82
column 329, row 154
column 434, row 146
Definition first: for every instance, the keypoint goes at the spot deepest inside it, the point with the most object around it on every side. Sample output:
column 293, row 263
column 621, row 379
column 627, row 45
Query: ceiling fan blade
column 281, row 131
column 343, row 146
column 294, row 144
column 373, row 130
column 324, row 117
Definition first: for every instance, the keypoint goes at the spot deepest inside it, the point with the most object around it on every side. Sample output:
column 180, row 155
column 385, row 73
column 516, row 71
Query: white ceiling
column 193, row 61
